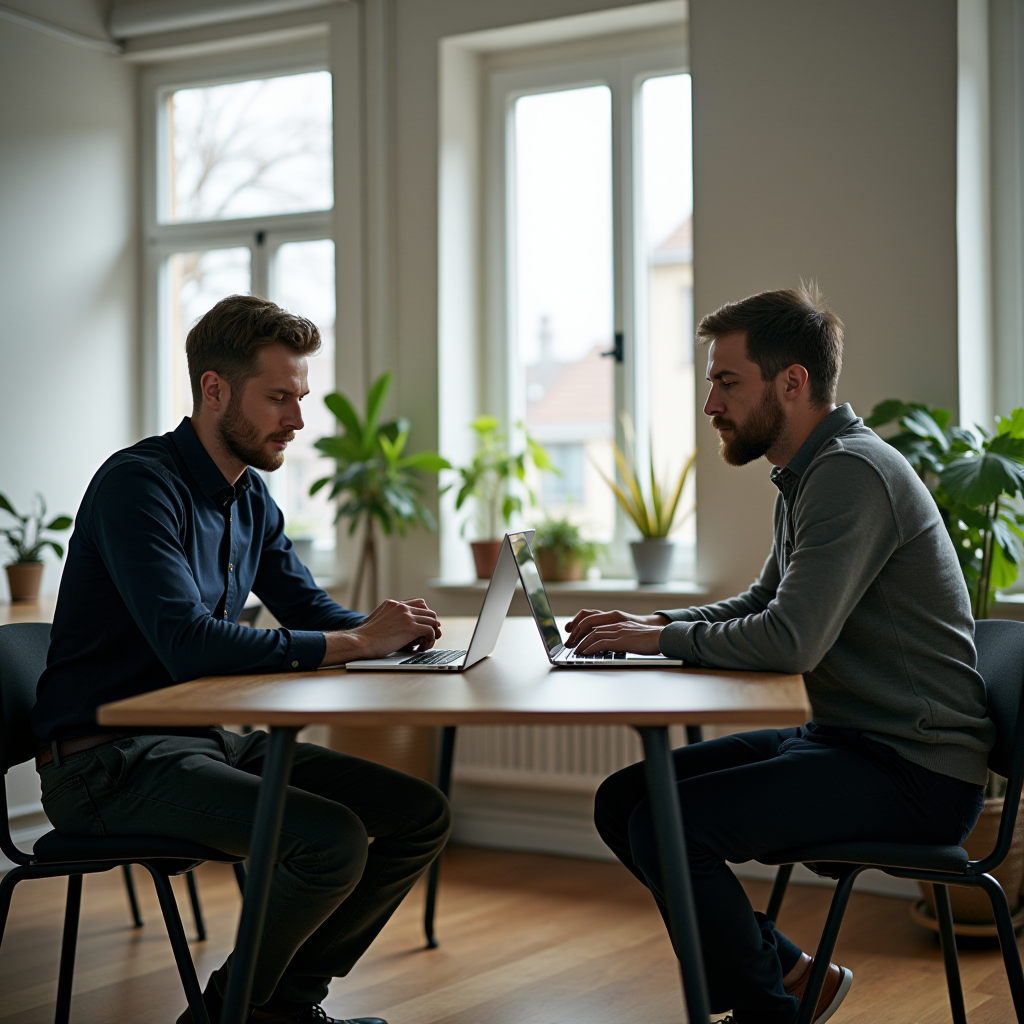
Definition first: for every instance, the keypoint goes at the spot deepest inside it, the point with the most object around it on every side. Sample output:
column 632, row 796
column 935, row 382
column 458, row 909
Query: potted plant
column 653, row 511
column 374, row 481
column 488, row 480
column 562, row 554
column 26, row 541
column 976, row 478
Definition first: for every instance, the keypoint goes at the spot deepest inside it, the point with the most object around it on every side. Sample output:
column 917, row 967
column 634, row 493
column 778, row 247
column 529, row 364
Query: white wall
column 67, row 266
column 824, row 146
column 67, row 277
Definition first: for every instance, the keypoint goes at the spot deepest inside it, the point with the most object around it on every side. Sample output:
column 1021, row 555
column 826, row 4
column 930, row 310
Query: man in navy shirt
column 172, row 535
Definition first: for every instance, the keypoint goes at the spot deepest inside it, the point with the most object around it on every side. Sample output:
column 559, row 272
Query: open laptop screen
column 535, row 592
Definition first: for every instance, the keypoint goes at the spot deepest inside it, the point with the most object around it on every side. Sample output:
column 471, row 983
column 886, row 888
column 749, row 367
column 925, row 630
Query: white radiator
column 572, row 758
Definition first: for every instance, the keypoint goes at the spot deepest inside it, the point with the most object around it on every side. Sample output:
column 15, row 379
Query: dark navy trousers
column 755, row 793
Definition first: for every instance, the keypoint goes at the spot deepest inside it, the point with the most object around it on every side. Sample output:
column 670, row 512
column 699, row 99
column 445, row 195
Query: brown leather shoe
column 837, row 983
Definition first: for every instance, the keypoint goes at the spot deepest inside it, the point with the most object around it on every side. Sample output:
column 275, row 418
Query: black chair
column 1000, row 646
column 23, row 649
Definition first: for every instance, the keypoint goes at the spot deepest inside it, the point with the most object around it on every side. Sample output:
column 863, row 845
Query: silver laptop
column 559, row 655
column 485, row 634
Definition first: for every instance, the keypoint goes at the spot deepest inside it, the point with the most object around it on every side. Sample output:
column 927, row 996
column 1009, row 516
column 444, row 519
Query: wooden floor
column 526, row 939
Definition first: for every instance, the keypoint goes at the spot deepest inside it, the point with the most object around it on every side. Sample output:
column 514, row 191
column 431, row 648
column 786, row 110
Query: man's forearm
column 342, row 646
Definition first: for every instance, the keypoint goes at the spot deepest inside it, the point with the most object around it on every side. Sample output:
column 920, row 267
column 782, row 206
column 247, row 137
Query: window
column 592, row 225
column 239, row 201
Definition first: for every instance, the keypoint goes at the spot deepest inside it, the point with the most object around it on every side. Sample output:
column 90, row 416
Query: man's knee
column 326, row 848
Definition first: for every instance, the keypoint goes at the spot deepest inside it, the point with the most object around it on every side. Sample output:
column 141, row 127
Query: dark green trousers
column 332, row 890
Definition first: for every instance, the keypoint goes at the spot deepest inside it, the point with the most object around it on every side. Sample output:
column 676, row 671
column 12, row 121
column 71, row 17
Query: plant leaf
column 6, row 505
column 1012, row 425
column 980, row 479
column 888, row 411
column 425, row 462
column 921, row 423
column 374, row 404
column 56, row 547
column 343, row 411
column 60, row 523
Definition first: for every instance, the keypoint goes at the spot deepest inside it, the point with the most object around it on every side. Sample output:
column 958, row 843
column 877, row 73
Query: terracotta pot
column 485, row 555
column 24, row 579
column 407, row 748
column 557, row 565
column 972, row 912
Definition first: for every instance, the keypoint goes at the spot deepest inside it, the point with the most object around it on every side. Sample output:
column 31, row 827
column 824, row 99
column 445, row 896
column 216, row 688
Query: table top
column 40, row 610
column 514, row 686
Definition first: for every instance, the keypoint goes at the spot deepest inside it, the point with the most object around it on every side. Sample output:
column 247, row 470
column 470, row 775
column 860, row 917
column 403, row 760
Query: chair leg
column 778, row 891
column 947, row 939
column 694, row 734
column 133, row 902
column 444, row 783
column 7, row 884
column 240, row 876
column 1007, row 941
column 179, row 945
column 68, row 946
column 197, row 910
column 826, row 946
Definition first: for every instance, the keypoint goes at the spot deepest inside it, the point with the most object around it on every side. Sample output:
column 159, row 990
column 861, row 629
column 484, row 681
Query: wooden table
column 515, row 686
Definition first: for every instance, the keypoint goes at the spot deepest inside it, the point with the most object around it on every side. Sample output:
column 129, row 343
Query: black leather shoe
column 312, row 1013
column 214, row 1005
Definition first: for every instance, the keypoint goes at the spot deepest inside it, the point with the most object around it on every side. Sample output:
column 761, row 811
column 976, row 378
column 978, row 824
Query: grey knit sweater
column 862, row 594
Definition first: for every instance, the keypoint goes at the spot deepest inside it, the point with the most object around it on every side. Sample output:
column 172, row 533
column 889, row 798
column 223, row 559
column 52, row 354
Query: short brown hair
column 793, row 325
column 229, row 337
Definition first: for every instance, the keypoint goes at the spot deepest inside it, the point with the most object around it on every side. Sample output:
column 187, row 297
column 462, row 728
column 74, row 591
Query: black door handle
column 618, row 349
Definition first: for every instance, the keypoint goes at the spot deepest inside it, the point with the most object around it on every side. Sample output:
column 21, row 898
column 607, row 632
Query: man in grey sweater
column 862, row 593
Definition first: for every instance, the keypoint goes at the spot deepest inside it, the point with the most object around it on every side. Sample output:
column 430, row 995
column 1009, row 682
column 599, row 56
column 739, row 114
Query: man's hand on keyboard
column 391, row 626
column 586, row 621
column 633, row 637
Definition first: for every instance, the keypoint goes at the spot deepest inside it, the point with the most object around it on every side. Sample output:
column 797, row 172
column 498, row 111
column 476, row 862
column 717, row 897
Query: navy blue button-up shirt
column 164, row 554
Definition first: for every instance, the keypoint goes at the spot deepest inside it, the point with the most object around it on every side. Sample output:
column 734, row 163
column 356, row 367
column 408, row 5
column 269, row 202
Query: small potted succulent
column 562, row 554
column 26, row 541
column 488, row 480
column 654, row 510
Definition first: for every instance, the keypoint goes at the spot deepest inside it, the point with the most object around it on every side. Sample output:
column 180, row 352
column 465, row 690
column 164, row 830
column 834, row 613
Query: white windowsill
column 602, row 587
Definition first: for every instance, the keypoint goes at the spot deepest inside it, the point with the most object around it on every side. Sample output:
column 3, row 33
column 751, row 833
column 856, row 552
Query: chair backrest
column 23, row 647
column 1000, row 644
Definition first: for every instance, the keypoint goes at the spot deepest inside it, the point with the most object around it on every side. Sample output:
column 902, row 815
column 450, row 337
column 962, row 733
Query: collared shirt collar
column 834, row 423
column 211, row 480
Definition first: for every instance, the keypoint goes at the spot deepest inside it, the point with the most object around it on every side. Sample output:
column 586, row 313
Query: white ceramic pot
column 652, row 558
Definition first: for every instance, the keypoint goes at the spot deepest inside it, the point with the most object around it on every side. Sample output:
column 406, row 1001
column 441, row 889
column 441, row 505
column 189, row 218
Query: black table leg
column 663, row 792
column 277, row 769
column 444, row 783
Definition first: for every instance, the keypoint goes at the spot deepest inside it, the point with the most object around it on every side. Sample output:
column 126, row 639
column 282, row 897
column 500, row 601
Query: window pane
column 665, row 257
column 197, row 282
column 304, row 284
column 561, row 305
column 249, row 149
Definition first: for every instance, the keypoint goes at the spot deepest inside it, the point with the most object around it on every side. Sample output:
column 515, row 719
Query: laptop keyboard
column 433, row 658
column 599, row 656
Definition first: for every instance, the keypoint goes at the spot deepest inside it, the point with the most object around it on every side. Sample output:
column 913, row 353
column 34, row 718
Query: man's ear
column 793, row 380
column 215, row 391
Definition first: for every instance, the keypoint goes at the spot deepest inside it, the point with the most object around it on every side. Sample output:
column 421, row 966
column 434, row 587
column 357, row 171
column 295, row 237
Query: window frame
column 623, row 74
column 262, row 235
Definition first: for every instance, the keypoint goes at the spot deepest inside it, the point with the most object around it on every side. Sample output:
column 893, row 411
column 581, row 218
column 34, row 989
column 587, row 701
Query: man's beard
column 241, row 437
column 758, row 433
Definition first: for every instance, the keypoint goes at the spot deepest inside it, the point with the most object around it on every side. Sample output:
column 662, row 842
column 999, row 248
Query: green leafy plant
column 488, row 478
column 560, row 540
column 375, row 482
column 654, row 510
column 26, row 539
column 976, row 479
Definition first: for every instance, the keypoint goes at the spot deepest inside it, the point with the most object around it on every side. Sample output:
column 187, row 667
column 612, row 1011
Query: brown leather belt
column 68, row 747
